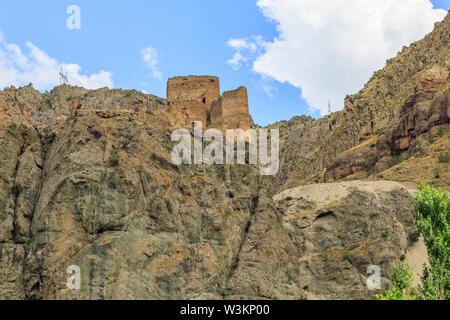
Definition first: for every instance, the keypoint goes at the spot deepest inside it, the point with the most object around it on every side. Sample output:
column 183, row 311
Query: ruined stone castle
column 197, row 98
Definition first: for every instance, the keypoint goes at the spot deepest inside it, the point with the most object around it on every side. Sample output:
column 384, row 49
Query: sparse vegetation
column 320, row 228
column 437, row 172
column 444, row 157
column 374, row 214
column 433, row 206
column 441, row 131
column 431, row 139
column 395, row 160
column 114, row 159
column 401, row 278
column 371, row 161
column 414, row 236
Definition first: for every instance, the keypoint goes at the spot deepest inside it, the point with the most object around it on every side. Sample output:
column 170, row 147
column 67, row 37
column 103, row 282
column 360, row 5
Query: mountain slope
column 313, row 148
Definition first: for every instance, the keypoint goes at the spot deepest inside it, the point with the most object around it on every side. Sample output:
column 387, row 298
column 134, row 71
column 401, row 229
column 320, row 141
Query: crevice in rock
column 15, row 194
column 234, row 265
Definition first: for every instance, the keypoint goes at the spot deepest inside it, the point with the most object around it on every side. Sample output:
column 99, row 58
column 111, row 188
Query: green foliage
column 373, row 214
column 395, row 160
column 401, row 279
column 441, row 131
column 371, row 161
column 114, row 160
column 149, row 111
column 437, row 172
column 433, row 206
column 444, row 157
column 431, row 139
column 320, row 228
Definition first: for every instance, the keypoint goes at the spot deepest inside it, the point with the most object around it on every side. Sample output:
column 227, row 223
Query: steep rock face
column 422, row 115
column 317, row 241
column 86, row 179
column 112, row 203
column 426, row 109
column 318, row 150
column 96, row 188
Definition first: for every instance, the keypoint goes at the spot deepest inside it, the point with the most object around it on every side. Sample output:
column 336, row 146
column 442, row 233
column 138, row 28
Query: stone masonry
column 197, row 98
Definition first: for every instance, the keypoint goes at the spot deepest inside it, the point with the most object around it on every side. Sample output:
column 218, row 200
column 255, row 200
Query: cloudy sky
column 292, row 55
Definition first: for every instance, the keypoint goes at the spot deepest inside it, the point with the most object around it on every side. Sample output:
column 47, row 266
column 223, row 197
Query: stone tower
column 197, row 98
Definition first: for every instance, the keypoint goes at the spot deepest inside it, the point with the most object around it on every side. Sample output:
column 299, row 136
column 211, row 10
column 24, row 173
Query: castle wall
column 215, row 115
column 197, row 98
column 184, row 113
column 235, row 113
column 203, row 89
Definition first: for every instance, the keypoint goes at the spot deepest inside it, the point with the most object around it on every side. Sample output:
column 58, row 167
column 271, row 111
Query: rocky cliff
column 96, row 188
column 410, row 91
column 86, row 179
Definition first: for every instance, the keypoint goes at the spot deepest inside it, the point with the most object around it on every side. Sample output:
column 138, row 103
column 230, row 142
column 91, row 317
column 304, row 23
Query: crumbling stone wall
column 231, row 111
column 197, row 98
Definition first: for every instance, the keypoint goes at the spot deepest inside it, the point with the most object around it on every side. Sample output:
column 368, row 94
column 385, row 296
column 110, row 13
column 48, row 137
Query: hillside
column 346, row 144
column 86, row 179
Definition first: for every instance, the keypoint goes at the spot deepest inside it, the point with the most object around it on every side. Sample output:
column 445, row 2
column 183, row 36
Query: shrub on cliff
column 433, row 206
column 401, row 282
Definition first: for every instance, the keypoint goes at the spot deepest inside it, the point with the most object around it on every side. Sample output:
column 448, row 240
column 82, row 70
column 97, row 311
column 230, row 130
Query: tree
column 433, row 206
column 401, row 282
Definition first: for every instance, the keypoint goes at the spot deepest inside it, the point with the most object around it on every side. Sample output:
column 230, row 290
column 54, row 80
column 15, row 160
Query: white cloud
column 36, row 66
column 330, row 48
column 246, row 50
column 151, row 58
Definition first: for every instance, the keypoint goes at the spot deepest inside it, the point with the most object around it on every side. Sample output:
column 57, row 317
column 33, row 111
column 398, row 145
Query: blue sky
column 190, row 37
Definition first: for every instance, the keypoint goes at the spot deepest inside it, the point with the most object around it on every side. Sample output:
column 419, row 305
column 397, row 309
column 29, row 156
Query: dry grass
column 422, row 170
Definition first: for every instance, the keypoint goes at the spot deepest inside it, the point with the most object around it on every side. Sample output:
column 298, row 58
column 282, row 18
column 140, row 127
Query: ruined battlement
column 231, row 110
column 203, row 89
column 197, row 98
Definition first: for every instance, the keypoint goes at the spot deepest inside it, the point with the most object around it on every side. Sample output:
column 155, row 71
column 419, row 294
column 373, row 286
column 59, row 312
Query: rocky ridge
column 86, row 179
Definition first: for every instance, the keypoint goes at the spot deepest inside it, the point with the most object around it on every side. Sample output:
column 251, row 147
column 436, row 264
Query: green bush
column 114, row 160
column 433, row 206
column 371, row 161
column 395, row 160
column 437, row 172
column 401, row 279
column 441, row 131
column 374, row 214
column 444, row 157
